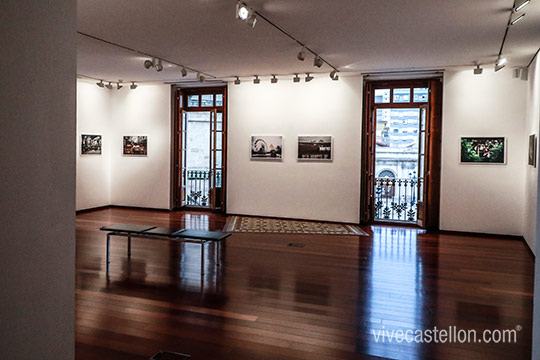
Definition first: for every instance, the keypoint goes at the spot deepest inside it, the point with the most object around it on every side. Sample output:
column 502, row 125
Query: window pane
column 382, row 96
column 219, row 125
column 218, row 159
column 219, row 140
column 219, row 100
column 207, row 100
column 420, row 95
column 402, row 95
column 193, row 101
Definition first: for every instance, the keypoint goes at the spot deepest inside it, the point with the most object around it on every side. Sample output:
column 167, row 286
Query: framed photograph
column 483, row 150
column 91, row 144
column 136, row 145
column 315, row 148
column 532, row 150
column 267, row 147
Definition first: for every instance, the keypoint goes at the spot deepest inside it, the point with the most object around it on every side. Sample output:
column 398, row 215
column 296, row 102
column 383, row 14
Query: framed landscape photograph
column 268, row 147
column 315, row 148
column 135, row 145
column 532, row 150
column 483, row 150
column 91, row 144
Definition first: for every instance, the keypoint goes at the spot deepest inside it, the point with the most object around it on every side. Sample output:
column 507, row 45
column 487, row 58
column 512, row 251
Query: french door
column 401, row 152
column 200, row 148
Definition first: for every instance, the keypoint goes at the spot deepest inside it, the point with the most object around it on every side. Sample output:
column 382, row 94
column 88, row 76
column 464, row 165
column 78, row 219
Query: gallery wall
column 37, row 132
column 93, row 170
column 113, row 178
column 483, row 198
column 291, row 188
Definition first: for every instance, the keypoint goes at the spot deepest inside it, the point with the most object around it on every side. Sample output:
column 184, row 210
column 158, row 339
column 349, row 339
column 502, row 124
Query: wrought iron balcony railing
column 396, row 199
column 198, row 187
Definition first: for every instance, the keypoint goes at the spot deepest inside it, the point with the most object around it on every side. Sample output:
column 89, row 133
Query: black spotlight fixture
column 201, row 77
column 237, row 81
column 317, row 61
column 133, row 86
column 184, row 72
column 109, row 86
column 148, row 64
column 159, row 66
column 309, row 77
column 296, row 78
column 100, row 84
column 302, row 54
column 256, row 80
column 119, row 86
column 274, row 79
column 334, row 75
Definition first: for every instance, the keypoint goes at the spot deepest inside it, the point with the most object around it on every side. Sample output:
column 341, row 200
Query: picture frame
column 483, row 150
column 315, row 148
column 135, row 145
column 91, row 144
column 533, row 146
column 266, row 147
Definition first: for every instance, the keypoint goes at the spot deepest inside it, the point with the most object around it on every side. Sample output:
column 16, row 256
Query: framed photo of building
column 532, row 150
column 135, row 145
column 318, row 148
column 267, row 147
column 91, row 144
column 483, row 150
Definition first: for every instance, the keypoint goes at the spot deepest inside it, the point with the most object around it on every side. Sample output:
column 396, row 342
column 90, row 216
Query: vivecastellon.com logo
column 446, row 335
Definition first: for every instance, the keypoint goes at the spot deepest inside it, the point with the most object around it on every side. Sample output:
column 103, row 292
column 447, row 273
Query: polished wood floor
column 320, row 299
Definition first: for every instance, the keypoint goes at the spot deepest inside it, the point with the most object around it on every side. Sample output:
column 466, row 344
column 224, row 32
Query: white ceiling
column 353, row 35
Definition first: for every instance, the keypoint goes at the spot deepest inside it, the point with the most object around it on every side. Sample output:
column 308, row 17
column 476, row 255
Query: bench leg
column 217, row 250
column 202, row 259
column 108, row 251
column 129, row 246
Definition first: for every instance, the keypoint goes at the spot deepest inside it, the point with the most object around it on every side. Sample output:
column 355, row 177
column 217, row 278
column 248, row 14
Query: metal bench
column 165, row 233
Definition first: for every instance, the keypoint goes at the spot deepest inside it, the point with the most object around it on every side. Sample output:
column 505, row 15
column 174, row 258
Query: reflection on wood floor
column 269, row 300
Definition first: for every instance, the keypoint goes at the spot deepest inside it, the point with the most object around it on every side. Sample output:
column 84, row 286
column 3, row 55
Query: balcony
column 396, row 199
column 198, row 187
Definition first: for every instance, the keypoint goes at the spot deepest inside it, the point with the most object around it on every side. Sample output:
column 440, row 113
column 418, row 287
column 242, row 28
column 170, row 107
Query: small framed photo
column 483, row 150
column 532, row 150
column 315, row 148
column 91, row 144
column 266, row 147
column 135, row 145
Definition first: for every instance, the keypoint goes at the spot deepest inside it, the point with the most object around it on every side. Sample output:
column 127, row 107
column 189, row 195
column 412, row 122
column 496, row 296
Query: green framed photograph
column 483, row 150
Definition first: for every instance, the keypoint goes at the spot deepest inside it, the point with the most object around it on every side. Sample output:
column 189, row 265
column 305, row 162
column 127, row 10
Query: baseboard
column 120, row 207
column 482, row 235
column 293, row 219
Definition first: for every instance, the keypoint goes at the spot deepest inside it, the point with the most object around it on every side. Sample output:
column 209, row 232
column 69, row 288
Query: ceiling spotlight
column 148, row 64
column 317, row 61
column 237, row 81
column 301, row 55
column 296, row 78
column 184, row 72
column 201, row 77
column 478, row 70
column 256, row 80
column 274, row 79
column 334, row 75
column 109, row 86
column 521, row 5
column 119, row 86
column 242, row 11
column 516, row 18
column 252, row 21
column 100, row 84
column 133, row 86
column 309, row 77
column 159, row 66
column 501, row 63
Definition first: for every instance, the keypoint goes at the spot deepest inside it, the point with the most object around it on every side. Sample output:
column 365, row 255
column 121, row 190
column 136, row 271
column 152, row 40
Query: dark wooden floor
column 273, row 301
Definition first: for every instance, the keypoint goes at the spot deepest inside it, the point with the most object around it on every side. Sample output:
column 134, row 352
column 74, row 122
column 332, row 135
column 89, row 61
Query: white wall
column 142, row 181
column 533, row 219
column 531, row 174
column 289, row 188
column 93, row 171
column 483, row 198
column 37, row 181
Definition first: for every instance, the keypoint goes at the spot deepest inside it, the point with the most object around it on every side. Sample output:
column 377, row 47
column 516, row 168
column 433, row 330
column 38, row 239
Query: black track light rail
column 286, row 33
column 144, row 54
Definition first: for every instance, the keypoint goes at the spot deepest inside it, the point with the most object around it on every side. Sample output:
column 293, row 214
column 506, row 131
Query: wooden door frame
column 433, row 145
column 180, row 96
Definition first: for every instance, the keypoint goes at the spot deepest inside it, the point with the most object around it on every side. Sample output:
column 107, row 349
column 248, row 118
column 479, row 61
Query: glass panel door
column 217, row 136
column 422, row 137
